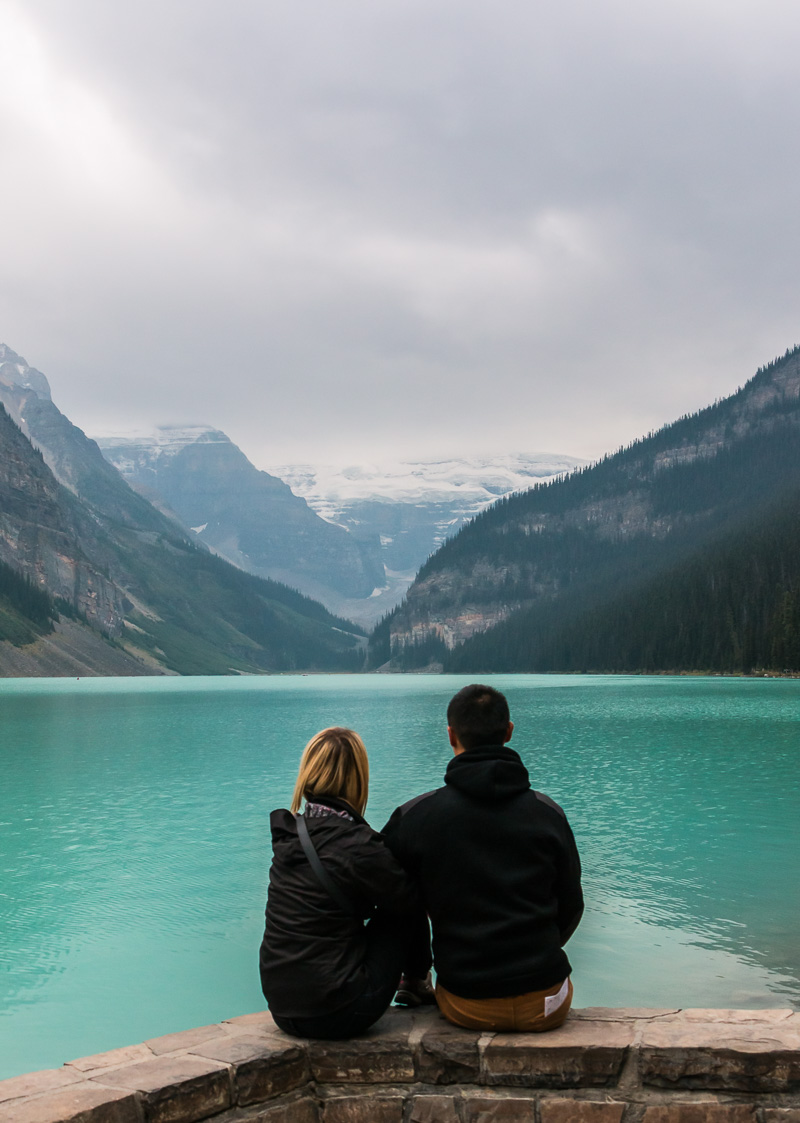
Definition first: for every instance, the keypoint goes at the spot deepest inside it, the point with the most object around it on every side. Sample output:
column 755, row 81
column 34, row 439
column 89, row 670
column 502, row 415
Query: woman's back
column 344, row 921
column 313, row 952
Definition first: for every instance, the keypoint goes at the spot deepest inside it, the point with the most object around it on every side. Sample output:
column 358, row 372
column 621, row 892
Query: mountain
column 351, row 537
column 49, row 584
column 411, row 506
column 522, row 586
column 122, row 587
column 249, row 517
column 732, row 607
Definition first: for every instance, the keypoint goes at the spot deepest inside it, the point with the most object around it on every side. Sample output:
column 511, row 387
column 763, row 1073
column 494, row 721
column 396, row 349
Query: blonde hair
column 334, row 762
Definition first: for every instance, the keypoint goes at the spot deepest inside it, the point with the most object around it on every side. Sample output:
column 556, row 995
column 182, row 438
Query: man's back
column 499, row 873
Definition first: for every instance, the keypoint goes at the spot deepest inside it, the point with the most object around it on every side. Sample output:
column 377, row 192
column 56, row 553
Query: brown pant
column 521, row 1012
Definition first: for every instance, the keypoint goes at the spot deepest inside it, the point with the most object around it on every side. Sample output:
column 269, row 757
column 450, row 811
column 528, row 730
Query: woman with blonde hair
column 324, row 971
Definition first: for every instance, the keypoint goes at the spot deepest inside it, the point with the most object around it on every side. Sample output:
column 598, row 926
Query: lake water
column 134, row 838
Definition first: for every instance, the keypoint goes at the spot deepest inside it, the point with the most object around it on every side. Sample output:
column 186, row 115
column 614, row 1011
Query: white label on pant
column 553, row 1001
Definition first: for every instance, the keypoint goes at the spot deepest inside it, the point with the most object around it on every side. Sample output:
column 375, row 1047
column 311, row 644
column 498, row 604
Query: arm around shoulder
column 379, row 877
column 391, row 831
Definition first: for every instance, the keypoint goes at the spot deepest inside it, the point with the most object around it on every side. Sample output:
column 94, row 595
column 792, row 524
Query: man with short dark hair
column 499, row 873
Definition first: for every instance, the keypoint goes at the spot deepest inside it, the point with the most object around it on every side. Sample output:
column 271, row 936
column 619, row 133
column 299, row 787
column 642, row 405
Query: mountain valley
column 352, row 537
column 411, row 507
column 679, row 552
column 83, row 554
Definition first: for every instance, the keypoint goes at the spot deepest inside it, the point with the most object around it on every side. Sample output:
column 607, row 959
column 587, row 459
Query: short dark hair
column 479, row 715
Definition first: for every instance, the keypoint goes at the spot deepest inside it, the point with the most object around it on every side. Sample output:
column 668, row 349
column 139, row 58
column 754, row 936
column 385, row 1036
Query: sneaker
column 415, row 992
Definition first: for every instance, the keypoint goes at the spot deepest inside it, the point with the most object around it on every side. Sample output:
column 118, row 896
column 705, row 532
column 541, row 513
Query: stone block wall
column 602, row 1066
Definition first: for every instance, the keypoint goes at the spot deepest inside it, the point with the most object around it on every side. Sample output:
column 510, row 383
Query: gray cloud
column 354, row 229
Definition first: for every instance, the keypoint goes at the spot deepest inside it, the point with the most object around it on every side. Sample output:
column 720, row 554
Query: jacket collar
column 336, row 804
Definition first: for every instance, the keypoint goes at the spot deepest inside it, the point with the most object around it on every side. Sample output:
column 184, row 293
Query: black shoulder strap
column 317, row 866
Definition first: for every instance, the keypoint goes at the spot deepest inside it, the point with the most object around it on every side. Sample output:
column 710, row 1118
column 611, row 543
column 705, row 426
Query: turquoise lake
column 134, row 840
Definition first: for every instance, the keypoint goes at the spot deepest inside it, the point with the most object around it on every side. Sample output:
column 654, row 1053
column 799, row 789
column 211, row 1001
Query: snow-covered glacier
column 412, row 505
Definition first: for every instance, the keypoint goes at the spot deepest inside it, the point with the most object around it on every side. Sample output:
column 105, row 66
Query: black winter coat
column 312, row 953
column 499, row 874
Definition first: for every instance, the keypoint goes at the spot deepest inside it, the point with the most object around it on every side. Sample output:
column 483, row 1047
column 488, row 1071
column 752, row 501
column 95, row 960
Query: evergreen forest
column 733, row 608
column 679, row 552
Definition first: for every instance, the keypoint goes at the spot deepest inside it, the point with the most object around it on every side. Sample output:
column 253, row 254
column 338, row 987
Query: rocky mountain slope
column 250, row 517
column 51, row 547
column 127, row 574
column 537, row 565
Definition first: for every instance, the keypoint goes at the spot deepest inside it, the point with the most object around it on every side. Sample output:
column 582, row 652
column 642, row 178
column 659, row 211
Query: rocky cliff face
column 577, row 538
column 72, row 524
column 45, row 534
column 247, row 516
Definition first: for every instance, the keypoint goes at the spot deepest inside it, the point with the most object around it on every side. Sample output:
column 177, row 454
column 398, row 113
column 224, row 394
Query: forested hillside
column 26, row 611
column 733, row 607
column 525, row 584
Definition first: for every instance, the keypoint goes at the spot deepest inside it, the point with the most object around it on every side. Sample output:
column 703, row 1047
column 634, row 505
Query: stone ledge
column 756, row 1056
column 581, row 1054
column 630, row 1065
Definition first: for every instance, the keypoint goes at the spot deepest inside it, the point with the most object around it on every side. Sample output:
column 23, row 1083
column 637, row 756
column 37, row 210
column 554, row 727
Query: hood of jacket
column 488, row 773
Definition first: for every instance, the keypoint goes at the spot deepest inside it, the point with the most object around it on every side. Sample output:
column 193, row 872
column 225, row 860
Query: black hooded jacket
column 312, row 954
column 499, row 873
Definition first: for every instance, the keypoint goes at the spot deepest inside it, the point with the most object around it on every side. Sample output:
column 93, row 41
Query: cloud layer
column 341, row 231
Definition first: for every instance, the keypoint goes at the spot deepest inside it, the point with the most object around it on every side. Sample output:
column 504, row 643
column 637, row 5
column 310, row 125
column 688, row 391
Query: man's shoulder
column 410, row 812
column 410, row 804
column 548, row 802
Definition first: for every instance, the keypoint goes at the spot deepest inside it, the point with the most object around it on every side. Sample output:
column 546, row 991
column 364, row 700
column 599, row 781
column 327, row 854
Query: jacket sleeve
column 402, row 840
column 374, row 875
column 570, row 894
column 392, row 834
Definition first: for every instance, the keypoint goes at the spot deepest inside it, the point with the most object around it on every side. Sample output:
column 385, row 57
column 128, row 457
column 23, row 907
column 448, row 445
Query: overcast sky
column 363, row 228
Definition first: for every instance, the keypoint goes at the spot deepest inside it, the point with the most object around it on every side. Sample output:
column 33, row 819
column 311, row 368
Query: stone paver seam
column 633, row 1112
column 137, row 1097
column 46, row 1090
column 455, row 1100
column 484, row 1041
column 630, row 1081
column 415, row 1035
column 310, row 1091
column 97, row 1073
column 233, row 1087
column 408, row 1106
